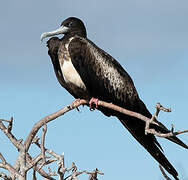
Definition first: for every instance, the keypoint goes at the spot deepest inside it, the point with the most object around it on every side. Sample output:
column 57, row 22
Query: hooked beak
column 61, row 30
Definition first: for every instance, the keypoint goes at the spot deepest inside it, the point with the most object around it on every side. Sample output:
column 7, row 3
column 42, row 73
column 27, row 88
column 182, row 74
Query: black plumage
column 87, row 71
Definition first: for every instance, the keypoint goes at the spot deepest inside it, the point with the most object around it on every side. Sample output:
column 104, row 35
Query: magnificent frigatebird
column 86, row 71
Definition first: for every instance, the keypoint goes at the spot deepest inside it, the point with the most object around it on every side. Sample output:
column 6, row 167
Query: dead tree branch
column 4, row 176
column 76, row 104
column 42, row 142
column 61, row 168
column 25, row 161
column 21, row 158
column 147, row 120
column 49, row 118
column 8, row 167
column 74, row 174
column 171, row 133
column 93, row 174
column 12, row 138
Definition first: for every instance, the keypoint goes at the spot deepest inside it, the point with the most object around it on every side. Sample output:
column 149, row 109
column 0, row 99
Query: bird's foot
column 93, row 102
column 76, row 101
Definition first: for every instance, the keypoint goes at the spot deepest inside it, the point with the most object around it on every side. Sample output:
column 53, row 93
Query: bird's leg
column 92, row 102
column 74, row 102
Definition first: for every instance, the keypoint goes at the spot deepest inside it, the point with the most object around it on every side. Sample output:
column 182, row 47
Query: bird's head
column 69, row 27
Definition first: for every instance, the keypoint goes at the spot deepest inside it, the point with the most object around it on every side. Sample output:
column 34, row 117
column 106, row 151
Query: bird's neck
column 77, row 33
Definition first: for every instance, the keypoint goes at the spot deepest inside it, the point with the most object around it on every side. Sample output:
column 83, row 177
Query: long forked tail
column 136, row 128
column 161, row 128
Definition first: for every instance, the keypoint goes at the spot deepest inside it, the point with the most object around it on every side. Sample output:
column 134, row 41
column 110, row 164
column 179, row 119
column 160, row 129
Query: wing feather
column 101, row 72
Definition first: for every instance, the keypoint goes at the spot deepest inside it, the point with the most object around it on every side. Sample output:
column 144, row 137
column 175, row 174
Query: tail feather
column 177, row 141
column 149, row 142
column 161, row 128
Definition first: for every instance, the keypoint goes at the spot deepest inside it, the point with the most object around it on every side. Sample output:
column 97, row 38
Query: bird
column 88, row 72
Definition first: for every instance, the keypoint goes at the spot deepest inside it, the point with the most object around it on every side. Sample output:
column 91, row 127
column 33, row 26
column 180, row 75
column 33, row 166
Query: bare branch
column 4, row 176
column 74, row 174
column 9, row 128
column 2, row 159
column 43, row 173
column 34, row 175
column 26, row 162
column 76, row 104
column 4, row 120
column 57, row 157
column 143, row 118
column 73, row 168
column 11, row 169
column 34, row 162
column 38, row 169
column 42, row 142
column 49, row 118
column 51, row 173
column 8, row 167
column 50, row 161
column 22, row 160
column 11, row 137
column 61, row 168
column 159, row 107
column 124, row 111
column 93, row 174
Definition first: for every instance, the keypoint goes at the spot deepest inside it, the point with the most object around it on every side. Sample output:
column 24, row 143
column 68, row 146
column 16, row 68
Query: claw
column 74, row 102
column 93, row 101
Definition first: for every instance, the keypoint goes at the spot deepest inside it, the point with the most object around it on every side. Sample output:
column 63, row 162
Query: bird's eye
column 69, row 24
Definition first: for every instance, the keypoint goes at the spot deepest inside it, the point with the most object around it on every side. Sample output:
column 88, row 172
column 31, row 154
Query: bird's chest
column 70, row 74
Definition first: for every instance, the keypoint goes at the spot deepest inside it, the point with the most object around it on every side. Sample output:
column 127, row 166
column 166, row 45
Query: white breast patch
column 71, row 75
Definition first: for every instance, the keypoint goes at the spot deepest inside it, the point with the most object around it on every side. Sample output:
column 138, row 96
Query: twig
column 49, row 118
column 171, row 133
column 4, row 176
column 12, row 138
column 50, row 161
column 11, row 169
column 8, row 167
column 10, row 122
column 9, row 128
column 4, row 120
column 74, row 172
column 43, row 173
column 159, row 108
column 74, row 175
column 34, row 162
column 36, row 168
column 34, row 175
column 51, row 173
column 93, row 174
column 61, row 168
column 42, row 142
column 58, row 157
column 2, row 159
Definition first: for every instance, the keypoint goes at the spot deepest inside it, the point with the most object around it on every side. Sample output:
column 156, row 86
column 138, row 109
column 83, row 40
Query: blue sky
column 150, row 40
